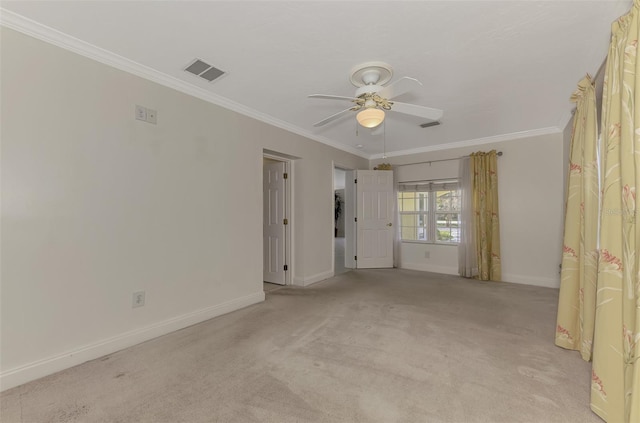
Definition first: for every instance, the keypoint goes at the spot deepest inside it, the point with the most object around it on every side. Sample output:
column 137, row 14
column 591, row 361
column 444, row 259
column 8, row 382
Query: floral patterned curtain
column 576, row 305
column 486, row 224
column 615, row 387
column 602, row 318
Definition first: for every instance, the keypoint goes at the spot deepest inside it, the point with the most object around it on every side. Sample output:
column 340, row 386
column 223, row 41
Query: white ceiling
column 499, row 69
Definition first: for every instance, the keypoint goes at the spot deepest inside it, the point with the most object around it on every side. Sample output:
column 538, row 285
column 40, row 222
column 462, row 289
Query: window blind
column 428, row 186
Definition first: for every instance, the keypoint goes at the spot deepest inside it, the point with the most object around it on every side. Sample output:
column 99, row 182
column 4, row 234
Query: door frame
column 333, row 204
column 376, row 224
column 288, row 210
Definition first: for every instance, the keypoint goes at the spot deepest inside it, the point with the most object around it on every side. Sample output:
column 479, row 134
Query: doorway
column 343, row 236
column 276, row 173
column 375, row 201
column 367, row 206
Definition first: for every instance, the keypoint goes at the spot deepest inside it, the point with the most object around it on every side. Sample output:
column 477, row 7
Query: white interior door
column 374, row 191
column 274, row 222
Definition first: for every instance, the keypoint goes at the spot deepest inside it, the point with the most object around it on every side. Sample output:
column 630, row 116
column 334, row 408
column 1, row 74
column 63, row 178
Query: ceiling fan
column 372, row 97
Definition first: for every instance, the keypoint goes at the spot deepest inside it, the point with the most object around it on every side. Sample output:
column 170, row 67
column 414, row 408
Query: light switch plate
column 141, row 113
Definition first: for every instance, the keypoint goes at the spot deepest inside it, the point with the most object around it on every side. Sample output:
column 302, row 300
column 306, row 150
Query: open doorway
column 343, row 221
column 276, row 221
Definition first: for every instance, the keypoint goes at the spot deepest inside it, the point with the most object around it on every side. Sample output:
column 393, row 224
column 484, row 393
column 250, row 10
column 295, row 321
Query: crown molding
column 52, row 36
column 473, row 142
column 566, row 119
column 60, row 39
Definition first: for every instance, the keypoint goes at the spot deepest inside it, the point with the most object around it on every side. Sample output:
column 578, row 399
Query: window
column 430, row 212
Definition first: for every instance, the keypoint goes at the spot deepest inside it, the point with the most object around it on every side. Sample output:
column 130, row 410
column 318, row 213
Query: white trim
column 532, row 280
column 52, row 36
column 333, row 202
column 333, row 223
column 306, row 281
column 473, row 142
column 291, row 240
column 289, row 249
column 28, row 372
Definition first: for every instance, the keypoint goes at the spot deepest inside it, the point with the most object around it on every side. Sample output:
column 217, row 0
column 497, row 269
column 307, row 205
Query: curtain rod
column 425, row 181
column 499, row 153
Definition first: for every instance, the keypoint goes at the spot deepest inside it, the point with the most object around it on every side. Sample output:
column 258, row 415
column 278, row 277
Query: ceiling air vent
column 428, row 124
column 204, row 70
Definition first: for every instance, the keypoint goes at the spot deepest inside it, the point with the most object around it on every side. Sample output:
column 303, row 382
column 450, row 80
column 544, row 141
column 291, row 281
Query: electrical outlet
column 138, row 299
column 141, row 113
column 152, row 116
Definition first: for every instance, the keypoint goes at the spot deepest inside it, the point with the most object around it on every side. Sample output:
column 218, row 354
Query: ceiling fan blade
column 415, row 110
column 399, row 87
column 332, row 97
column 332, row 117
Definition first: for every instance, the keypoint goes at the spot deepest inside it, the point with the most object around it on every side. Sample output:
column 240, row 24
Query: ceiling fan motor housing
column 370, row 103
column 368, row 89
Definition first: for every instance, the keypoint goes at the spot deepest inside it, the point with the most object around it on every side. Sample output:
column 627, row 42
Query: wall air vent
column 204, row 70
column 428, row 124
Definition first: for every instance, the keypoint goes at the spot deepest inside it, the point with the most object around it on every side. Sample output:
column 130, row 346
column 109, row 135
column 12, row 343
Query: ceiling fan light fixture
column 370, row 117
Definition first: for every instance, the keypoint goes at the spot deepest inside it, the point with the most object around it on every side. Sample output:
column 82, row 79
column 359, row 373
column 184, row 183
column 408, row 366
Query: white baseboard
column 306, row 281
column 430, row 268
column 511, row 278
column 35, row 370
column 532, row 280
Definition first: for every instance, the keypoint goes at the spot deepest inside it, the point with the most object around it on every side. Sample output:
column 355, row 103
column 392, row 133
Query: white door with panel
column 374, row 191
column 274, row 226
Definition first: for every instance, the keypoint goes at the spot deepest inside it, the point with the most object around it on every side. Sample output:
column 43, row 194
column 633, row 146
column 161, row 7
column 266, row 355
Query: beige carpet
column 339, row 245
column 366, row 346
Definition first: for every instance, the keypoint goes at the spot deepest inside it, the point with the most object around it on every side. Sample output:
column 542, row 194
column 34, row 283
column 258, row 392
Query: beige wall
column 531, row 186
column 97, row 205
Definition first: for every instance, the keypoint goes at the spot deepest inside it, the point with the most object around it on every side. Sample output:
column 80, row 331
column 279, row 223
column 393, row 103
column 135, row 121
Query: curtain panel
column 467, row 258
column 486, row 221
column 599, row 303
column 576, row 304
column 615, row 387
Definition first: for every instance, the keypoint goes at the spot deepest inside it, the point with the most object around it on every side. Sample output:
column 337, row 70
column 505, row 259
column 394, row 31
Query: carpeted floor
column 338, row 252
column 365, row 346
column 267, row 287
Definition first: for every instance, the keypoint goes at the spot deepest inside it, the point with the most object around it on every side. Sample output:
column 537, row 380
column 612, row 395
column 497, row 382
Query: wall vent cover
column 428, row 124
column 204, row 70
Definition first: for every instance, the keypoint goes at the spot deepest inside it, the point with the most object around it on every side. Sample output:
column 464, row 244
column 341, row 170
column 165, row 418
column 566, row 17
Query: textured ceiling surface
column 496, row 68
